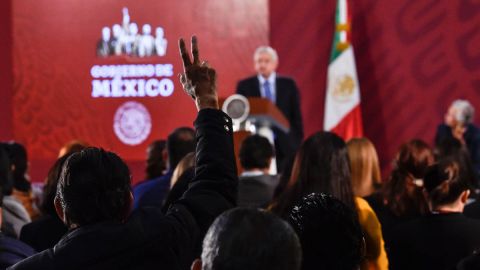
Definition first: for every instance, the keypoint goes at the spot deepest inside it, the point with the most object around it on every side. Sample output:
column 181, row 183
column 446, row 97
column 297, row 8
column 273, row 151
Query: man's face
column 265, row 64
column 450, row 119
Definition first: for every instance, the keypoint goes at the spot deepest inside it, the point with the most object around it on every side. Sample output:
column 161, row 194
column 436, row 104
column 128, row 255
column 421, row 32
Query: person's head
column 321, row 165
column 452, row 148
column 403, row 190
column 187, row 162
column 6, row 175
column 47, row 206
column 179, row 143
column 329, row 232
column 94, row 186
column 19, row 160
column 72, row 147
column 445, row 186
column 146, row 29
column 247, row 238
column 265, row 59
column 156, row 159
column 256, row 152
column 461, row 112
column 364, row 166
column 105, row 34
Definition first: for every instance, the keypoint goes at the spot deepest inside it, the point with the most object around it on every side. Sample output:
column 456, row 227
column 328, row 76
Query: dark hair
column 400, row 193
column 255, row 152
column 444, row 183
column 72, row 147
column 321, row 165
column 180, row 187
column 6, row 177
column 155, row 163
column 50, row 187
column 18, row 157
column 329, row 231
column 452, row 148
column 179, row 143
column 247, row 238
column 94, row 186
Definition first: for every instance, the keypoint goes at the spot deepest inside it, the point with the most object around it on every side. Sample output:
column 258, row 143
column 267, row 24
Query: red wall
column 413, row 58
column 6, row 78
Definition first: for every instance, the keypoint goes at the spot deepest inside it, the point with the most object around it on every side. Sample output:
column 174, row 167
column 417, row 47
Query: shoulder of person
column 248, row 80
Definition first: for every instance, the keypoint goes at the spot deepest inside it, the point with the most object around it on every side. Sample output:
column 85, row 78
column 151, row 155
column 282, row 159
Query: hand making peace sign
column 198, row 79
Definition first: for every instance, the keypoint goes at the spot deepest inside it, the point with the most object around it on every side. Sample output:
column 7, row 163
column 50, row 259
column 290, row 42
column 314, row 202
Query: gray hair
column 465, row 111
column 266, row 49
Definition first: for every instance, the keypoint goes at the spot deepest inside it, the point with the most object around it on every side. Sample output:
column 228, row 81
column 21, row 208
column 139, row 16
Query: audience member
column 458, row 124
column 452, row 148
column 329, row 232
column 93, row 197
column 22, row 188
column 72, row 147
column 45, row 232
column 322, row 166
column 401, row 198
column 256, row 186
column 152, row 193
column 11, row 250
column 444, row 237
column 14, row 215
column 188, row 161
column 365, row 168
column 156, row 159
column 471, row 262
column 246, row 238
column 179, row 188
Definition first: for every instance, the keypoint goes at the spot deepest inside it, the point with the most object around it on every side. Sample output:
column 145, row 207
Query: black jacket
column 287, row 100
column 149, row 239
column 44, row 232
column 437, row 241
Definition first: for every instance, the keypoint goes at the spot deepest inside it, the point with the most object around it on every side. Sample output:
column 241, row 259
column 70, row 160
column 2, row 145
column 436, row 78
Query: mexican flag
column 342, row 103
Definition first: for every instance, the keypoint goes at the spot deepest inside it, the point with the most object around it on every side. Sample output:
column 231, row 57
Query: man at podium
column 283, row 92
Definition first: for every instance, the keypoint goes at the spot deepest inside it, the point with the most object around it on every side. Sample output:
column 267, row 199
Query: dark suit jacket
column 437, row 241
column 472, row 140
column 287, row 100
column 149, row 239
column 256, row 191
column 12, row 251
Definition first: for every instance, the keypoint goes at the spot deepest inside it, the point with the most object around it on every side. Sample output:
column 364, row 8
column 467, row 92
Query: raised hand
column 198, row 79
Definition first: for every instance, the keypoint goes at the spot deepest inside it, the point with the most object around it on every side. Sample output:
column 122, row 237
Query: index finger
column 184, row 54
column 195, row 52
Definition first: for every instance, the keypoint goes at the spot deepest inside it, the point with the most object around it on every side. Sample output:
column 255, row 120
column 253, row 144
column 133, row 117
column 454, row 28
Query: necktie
column 268, row 91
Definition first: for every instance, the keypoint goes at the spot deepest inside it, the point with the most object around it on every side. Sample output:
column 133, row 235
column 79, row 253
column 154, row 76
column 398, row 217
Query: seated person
column 444, row 237
column 153, row 192
column 246, row 238
column 11, row 250
column 14, row 213
column 256, row 186
column 94, row 197
column 459, row 124
column 329, row 232
column 46, row 231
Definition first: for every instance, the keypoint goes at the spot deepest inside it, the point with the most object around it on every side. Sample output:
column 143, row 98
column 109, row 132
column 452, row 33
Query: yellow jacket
column 376, row 257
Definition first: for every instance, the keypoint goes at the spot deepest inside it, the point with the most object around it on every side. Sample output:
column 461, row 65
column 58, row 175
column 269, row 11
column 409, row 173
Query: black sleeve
column 297, row 122
column 214, row 186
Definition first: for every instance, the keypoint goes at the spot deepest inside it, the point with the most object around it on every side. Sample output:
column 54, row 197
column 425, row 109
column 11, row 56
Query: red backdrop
column 413, row 57
column 54, row 45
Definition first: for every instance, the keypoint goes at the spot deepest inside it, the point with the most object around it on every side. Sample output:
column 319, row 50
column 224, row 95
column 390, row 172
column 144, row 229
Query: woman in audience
column 22, row 188
column 45, row 232
column 14, row 215
column 444, row 237
column 401, row 198
column 365, row 168
column 322, row 165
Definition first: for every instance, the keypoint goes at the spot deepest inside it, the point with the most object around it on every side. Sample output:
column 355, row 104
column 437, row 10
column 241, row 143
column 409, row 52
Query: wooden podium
column 264, row 115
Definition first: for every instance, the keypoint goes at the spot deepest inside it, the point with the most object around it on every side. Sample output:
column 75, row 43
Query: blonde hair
column 185, row 163
column 364, row 166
